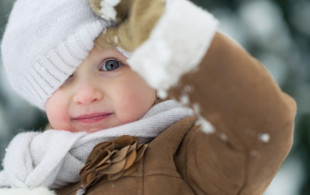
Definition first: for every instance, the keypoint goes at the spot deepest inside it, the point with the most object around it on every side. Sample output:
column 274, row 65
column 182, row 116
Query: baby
column 109, row 75
column 102, row 93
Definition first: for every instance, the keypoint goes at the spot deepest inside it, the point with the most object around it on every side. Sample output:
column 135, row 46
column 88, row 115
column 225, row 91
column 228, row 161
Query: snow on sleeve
column 264, row 137
column 176, row 45
column 81, row 191
column 223, row 136
column 206, row 126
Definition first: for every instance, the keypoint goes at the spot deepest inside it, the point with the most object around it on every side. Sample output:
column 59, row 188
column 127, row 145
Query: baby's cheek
column 56, row 120
column 138, row 103
column 128, row 105
column 58, row 117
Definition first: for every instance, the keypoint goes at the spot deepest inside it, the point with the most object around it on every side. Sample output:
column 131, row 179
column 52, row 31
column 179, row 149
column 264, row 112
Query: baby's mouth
column 91, row 118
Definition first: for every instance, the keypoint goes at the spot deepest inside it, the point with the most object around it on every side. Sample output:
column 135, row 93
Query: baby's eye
column 110, row 65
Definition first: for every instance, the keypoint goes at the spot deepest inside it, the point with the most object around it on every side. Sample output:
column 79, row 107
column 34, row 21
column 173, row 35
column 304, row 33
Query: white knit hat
column 44, row 42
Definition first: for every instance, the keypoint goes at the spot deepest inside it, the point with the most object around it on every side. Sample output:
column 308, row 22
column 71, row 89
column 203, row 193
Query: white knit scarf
column 54, row 158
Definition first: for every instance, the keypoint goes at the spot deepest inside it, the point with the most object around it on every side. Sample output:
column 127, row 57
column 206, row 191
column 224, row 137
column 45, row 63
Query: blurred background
column 277, row 32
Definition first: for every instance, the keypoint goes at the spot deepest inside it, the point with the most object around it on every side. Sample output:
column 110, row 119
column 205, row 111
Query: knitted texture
column 44, row 42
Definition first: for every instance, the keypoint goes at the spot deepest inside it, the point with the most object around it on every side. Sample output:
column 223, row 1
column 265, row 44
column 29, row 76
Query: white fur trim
column 176, row 45
column 26, row 191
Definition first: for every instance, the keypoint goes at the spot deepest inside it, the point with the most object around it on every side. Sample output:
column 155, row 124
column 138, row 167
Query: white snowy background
column 277, row 32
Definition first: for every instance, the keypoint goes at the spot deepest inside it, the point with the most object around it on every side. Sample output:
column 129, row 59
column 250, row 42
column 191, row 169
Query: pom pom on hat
column 44, row 42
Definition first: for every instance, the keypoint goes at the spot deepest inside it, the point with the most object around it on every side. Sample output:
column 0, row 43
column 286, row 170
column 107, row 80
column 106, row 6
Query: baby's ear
column 115, row 11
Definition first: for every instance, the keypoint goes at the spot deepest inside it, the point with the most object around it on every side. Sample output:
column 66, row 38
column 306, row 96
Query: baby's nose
column 87, row 94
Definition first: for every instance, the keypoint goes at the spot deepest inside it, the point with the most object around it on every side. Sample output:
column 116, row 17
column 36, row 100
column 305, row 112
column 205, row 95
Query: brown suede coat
column 241, row 100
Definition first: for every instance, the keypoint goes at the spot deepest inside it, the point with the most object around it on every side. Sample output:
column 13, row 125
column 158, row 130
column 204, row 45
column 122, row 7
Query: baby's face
column 102, row 93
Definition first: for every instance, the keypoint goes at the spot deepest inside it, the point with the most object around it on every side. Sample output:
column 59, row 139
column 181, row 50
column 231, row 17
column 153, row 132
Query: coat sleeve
column 252, row 119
